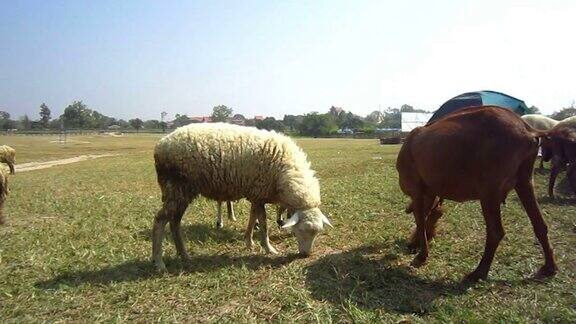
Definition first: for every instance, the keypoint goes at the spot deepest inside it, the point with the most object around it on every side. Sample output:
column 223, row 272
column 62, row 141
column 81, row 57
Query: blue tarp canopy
column 480, row 98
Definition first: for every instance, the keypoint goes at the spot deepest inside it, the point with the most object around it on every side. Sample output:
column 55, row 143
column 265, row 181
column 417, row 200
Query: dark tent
column 479, row 98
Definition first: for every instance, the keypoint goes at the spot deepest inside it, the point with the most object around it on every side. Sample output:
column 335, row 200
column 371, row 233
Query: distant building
column 258, row 118
column 238, row 119
column 201, row 119
column 411, row 120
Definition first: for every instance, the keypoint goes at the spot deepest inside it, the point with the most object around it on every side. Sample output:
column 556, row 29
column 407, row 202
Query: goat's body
column 479, row 153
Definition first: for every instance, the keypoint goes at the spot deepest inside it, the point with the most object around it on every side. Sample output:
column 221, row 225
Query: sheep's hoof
column 160, row 267
column 249, row 244
column 545, row 272
column 271, row 250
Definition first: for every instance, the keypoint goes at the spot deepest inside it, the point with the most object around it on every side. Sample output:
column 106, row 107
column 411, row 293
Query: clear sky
column 132, row 59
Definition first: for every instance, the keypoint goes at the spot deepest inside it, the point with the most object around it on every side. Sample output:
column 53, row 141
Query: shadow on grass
column 199, row 233
column 138, row 270
column 372, row 281
column 202, row 233
column 563, row 192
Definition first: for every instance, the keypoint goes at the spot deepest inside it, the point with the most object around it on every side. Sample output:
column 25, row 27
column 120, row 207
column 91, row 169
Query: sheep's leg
column 260, row 212
column 250, row 228
column 279, row 211
column 175, row 228
column 494, row 234
column 157, row 236
column 219, row 220
column 230, row 207
column 525, row 191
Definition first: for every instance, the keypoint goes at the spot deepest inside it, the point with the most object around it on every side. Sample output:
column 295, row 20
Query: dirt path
column 48, row 164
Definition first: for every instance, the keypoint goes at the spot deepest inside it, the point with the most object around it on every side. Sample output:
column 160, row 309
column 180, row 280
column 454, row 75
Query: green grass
column 77, row 248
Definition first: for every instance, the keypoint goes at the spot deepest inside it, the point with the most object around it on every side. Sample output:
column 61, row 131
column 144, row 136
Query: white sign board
column 411, row 120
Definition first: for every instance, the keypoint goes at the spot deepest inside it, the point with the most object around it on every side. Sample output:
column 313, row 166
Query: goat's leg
column 421, row 209
column 219, row 219
column 557, row 165
column 494, row 234
column 525, row 191
column 431, row 218
column 571, row 175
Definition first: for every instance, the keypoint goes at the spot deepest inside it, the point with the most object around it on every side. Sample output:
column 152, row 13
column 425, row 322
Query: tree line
column 335, row 121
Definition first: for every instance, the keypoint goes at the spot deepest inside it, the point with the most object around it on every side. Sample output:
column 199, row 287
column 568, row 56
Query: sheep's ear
column 326, row 221
column 291, row 221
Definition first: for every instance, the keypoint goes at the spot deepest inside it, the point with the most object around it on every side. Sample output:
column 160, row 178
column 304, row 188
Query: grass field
column 77, row 248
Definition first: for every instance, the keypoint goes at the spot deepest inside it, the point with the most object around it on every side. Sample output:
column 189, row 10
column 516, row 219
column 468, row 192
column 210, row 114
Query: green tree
column 564, row 113
column 25, row 122
column 270, row 123
column 532, row 110
column 292, row 121
column 352, row 121
column 315, row 124
column 5, row 121
column 44, row 115
column 221, row 113
column 152, row 124
column 392, row 119
column 136, row 123
column 77, row 115
column 181, row 120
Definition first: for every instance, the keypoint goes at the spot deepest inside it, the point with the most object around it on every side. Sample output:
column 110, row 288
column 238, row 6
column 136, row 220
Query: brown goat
column 562, row 139
column 478, row 153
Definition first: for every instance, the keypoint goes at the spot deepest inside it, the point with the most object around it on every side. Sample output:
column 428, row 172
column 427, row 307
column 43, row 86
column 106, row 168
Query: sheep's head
column 306, row 224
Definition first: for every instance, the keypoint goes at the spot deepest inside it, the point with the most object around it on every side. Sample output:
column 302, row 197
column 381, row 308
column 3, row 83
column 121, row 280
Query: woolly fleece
column 227, row 162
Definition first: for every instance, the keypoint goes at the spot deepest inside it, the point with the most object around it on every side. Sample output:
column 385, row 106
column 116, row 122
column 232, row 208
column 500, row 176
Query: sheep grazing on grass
column 562, row 140
column 227, row 162
column 542, row 123
column 456, row 158
column 3, row 192
column 8, row 156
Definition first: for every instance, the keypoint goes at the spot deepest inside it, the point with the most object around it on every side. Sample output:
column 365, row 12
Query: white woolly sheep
column 227, row 162
column 8, row 156
column 3, row 192
column 542, row 123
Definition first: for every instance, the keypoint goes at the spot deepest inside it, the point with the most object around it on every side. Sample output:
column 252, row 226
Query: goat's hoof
column 412, row 247
column 280, row 222
column 474, row 277
column 545, row 272
column 418, row 261
column 219, row 225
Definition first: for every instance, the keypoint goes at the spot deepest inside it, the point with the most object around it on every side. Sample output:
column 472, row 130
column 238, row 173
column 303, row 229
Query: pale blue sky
column 132, row 59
